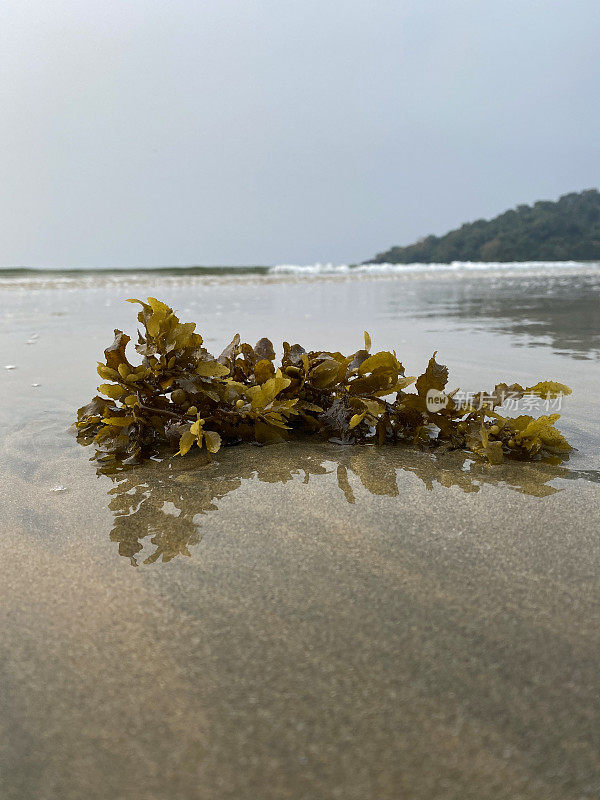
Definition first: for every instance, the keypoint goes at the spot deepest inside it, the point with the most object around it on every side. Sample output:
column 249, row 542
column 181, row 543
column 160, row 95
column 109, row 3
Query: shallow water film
column 301, row 620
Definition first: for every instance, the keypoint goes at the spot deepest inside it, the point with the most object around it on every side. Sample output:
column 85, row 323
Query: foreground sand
column 330, row 623
column 414, row 642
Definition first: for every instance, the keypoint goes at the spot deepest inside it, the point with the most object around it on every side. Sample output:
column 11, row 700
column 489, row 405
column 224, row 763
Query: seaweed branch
column 191, row 398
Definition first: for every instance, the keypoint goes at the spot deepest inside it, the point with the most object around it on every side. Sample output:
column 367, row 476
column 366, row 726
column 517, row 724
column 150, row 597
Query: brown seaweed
column 180, row 396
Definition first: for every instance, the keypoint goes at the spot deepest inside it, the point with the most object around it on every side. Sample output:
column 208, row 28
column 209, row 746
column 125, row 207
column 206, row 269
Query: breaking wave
column 455, row 266
column 25, row 278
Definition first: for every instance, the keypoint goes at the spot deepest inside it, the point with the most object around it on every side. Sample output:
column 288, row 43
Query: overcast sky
column 136, row 132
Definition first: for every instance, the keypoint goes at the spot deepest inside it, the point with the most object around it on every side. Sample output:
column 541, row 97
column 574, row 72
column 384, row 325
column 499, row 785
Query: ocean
column 301, row 619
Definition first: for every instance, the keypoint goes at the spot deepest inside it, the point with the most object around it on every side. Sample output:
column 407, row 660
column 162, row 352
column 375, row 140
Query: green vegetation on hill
column 546, row 231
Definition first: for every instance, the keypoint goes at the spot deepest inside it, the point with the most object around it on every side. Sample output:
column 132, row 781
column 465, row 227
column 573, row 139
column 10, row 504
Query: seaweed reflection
column 161, row 503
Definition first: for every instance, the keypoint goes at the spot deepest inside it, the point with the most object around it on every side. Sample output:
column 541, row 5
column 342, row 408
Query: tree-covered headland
column 565, row 230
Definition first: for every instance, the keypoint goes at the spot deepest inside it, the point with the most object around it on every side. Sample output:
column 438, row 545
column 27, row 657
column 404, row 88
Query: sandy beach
column 302, row 620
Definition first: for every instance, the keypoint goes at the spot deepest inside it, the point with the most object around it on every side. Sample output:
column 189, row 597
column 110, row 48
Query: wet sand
column 301, row 620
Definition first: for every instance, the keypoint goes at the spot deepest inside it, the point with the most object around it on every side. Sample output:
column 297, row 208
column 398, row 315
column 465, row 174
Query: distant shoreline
column 25, row 279
column 317, row 267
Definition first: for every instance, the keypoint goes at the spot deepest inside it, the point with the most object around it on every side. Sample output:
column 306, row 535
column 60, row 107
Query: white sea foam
column 26, row 280
column 455, row 266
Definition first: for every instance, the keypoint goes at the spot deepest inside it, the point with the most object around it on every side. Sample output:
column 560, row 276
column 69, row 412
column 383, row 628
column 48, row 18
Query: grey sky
column 238, row 131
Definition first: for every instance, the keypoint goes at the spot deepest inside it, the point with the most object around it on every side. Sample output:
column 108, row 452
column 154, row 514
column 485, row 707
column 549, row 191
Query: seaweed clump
column 180, row 396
